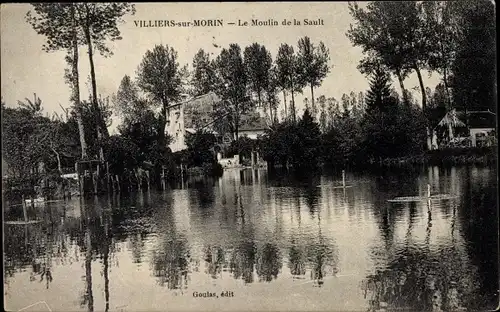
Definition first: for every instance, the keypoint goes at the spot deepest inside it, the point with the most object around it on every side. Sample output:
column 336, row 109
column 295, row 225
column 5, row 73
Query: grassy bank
column 449, row 156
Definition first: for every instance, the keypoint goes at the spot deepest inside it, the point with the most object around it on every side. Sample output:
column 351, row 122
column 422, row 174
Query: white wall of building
column 176, row 129
column 475, row 131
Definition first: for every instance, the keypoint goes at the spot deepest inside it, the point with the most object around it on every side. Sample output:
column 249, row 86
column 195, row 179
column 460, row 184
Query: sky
column 26, row 69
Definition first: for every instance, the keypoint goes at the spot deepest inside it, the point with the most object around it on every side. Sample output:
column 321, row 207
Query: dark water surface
column 275, row 242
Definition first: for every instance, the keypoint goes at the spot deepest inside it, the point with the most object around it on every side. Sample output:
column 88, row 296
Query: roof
column 451, row 117
column 199, row 109
column 479, row 119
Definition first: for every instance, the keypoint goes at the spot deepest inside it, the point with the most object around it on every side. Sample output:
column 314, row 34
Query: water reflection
column 271, row 230
column 269, row 262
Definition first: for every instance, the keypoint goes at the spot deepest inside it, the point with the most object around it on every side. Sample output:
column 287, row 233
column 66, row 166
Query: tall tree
column 305, row 148
column 395, row 34
column 286, row 66
column 232, row 87
column 160, row 76
column 312, row 65
column 379, row 92
column 128, row 104
column 271, row 92
column 346, row 104
column 323, row 114
column 441, row 24
column 333, row 111
column 99, row 22
column 202, row 80
column 58, row 23
column 474, row 68
column 361, row 101
column 258, row 62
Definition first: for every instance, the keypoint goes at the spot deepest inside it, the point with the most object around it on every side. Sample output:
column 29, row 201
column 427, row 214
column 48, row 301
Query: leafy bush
column 200, row 148
column 121, row 153
column 290, row 144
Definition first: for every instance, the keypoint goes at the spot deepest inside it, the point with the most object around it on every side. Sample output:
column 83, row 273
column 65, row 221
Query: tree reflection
column 297, row 260
column 422, row 278
column 320, row 254
column 312, row 195
column 171, row 263
column 243, row 261
column 97, row 241
column 419, row 281
column 269, row 262
column 478, row 219
column 214, row 258
column 204, row 193
column 322, row 259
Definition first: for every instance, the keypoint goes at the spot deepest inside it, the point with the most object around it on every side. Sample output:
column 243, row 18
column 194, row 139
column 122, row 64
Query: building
column 482, row 127
column 196, row 113
column 479, row 126
column 188, row 116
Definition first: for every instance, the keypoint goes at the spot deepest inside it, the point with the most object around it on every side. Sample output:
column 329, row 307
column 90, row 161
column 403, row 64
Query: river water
column 267, row 242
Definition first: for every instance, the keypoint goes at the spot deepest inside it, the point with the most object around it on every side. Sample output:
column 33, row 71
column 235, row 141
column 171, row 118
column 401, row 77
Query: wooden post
column 163, row 177
column 118, row 183
column 147, row 176
column 32, row 201
column 343, row 178
column 78, row 177
column 428, row 190
column 25, row 212
column 94, row 181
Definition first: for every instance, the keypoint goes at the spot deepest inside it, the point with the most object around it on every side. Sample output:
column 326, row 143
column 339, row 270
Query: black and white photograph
column 249, row 156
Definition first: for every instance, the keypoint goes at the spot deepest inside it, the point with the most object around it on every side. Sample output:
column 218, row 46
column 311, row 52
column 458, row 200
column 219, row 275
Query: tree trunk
column 58, row 160
column 312, row 96
column 422, row 87
column 271, row 112
column 402, row 86
column 76, row 84
column 284, row 99
column 236, row 128
column 447, row 90
column 93, row 82
column 424, row 106
column 313, row 108
column 163, row 123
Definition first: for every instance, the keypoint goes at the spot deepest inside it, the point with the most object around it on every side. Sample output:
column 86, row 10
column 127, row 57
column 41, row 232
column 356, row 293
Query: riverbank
column 446, row 157
column 450, row 156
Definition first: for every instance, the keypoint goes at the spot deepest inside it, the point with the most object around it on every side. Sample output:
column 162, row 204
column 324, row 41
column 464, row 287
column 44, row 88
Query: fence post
column 163, row 177
column 25, row 212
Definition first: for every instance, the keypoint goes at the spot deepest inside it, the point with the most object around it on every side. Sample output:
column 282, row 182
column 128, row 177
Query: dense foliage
column 454, row 39
column 391, row 129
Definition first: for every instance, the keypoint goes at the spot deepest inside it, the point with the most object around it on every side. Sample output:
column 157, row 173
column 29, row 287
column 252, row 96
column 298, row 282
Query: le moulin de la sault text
column 221, row 23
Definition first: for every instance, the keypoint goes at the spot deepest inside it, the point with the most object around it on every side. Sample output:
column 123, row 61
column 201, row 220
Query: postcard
column 251, row 156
